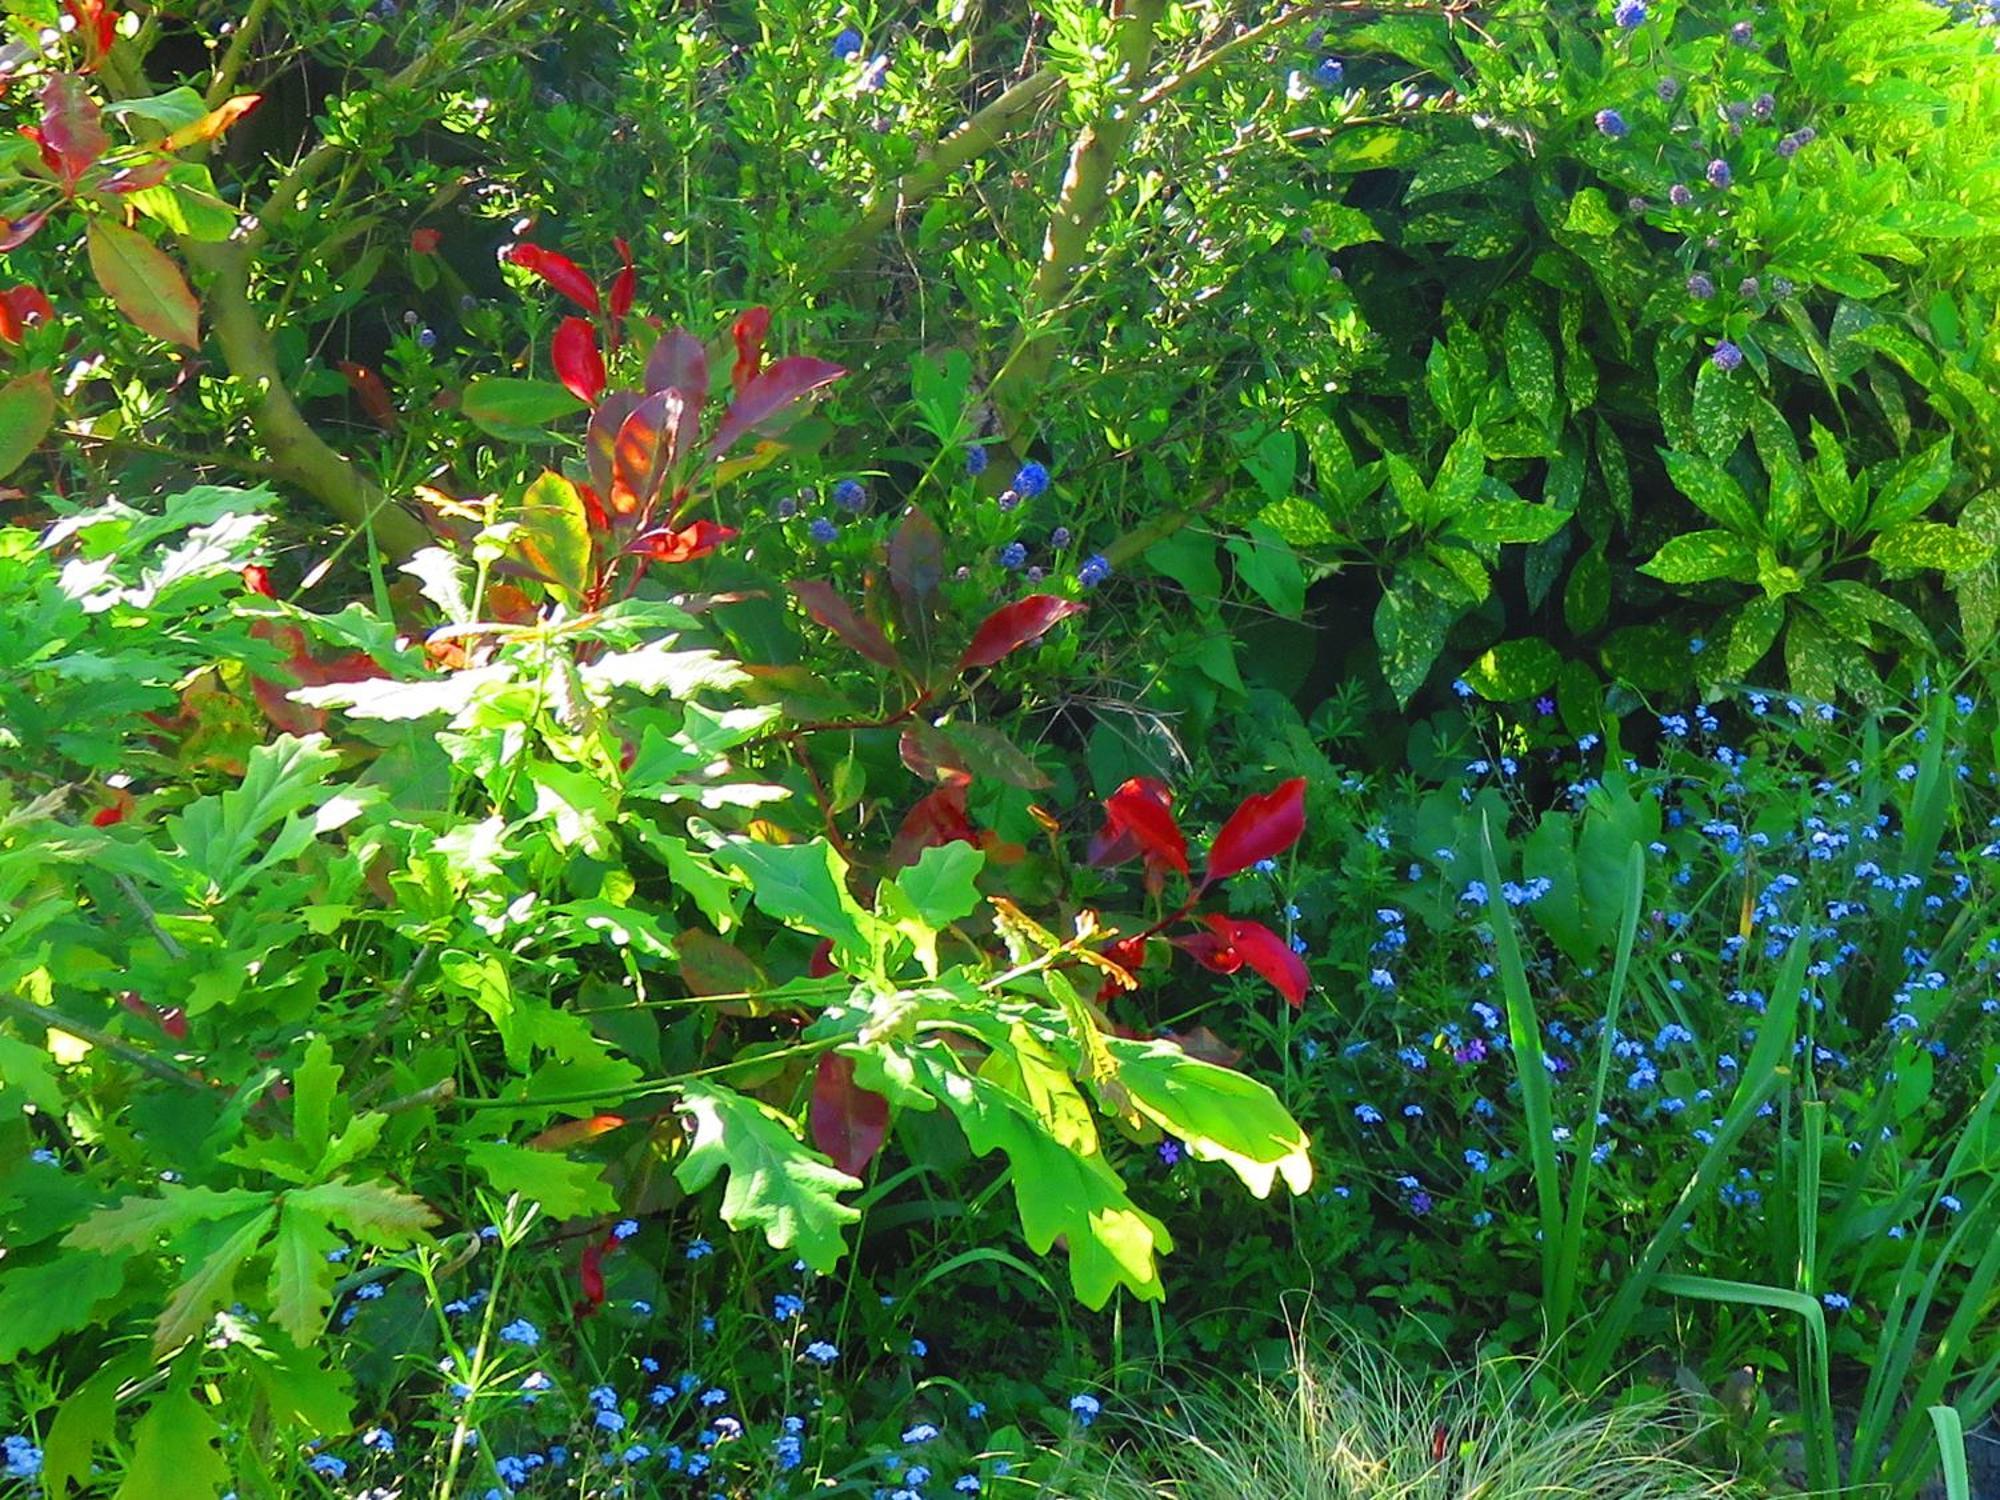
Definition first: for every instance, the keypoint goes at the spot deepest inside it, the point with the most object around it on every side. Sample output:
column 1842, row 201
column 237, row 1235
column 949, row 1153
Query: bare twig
column 54, row 1020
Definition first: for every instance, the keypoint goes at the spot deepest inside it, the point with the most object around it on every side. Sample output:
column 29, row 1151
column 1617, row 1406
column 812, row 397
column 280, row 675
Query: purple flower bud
column 1764, row 106
column 1669, row 89
column 1748, row 288
column 1718, row 174
column 1726, row 356
column 1629, row 13
column 1679, row 196
column 1743, row 34
column 1611, row 125
column 1700, row 287
column 822, row 530
column 1781, row 286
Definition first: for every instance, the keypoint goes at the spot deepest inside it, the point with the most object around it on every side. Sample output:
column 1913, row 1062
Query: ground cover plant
column 756, row 749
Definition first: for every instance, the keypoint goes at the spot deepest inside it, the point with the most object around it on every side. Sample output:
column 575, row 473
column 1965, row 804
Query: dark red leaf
column 1210, row 951
column 371, row 392
column 690, row 542
column 1265, row 952
column 679, row 363
column 1141, row 811
column 17, row 232
column 1263, row 827
column 113, row 812
column 748, row 332
column 174, row 1022
column 849, row 1123
column 134, row 179
column 257, row 579
column 96, row 23
column 600, row 441
column 939, row 818
column 72, row 135
column 836, row 614
column 590, row 1278
column 1013, row 626
column 988, row 752
column 625, row 285
column 820, row 965
column 578, row 364
column 593, row 508
column 916, row 562
column 774, row 390
column 933, row 757
column 560, row 272
column 426, row 241
column 644, row 454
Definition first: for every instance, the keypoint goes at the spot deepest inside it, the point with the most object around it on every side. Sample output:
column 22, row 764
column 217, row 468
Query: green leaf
column 1188, row 557
column 940, row 884
column 803, row 886
column 1218, row 1113
column 563, row 1187
column 1508, row 521
column 1752, row 631
column 86, row 1419
column 301, row 1275
column 1590, row 213
column 1587, row 594
column 146, row 286
column 176, row 108
column 1271, row 568
column 370, row 1211
column 1810, row 661
column 555, row 535
column 139, row 1223
column 39, row 1304
column 1410, row 626
column 658, row 667
column 516, row 410
column 313, row 1084
column 1929, row 544
column 1713, row 492
column 211, row 1285
column 1057, row 1192
column 1699, row 556
column 1408, row 486
column 27, row 411
column 776, row 1183
column 1531, row 366
column 1722, row 401
column 1912, row 487
column 218, row 836
column 1514, row 670
column 1454, row 167
column 1843, row 501
column 174, row 1453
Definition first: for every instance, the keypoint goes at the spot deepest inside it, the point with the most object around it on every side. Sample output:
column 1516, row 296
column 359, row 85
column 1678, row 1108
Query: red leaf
column 1265, row 952
column 560, row 272
column 1138, row 818
column 834, row 612
column 775, row 389
column 679, row 363
column 849, row 1123
column 426, row 241
column 820, row 965
column 257, row 579
column 1013, row 626
column 20, row 308
column 579, row 365
column 645, row 454
column 174, row 1022
column 748, row 333
column 96, row 23
column 72, row 136
column 1210, row 951
column 669, row 546
column 625, row 285
column 113, row 811
column 370, row 391
column 1263, row 827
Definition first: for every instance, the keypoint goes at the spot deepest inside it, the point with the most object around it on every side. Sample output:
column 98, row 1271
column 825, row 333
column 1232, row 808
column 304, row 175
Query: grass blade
column 1951, row 1450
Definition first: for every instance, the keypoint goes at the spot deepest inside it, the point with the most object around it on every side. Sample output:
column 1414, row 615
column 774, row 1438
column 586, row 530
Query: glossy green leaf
column 1929, row 544
column 1514, row 670
column 1219, row 1114
column 1502, row 522
column 1699, row 556
column 516, row 410
column 563, row 1187
column 804, row 886
column 1713, row 492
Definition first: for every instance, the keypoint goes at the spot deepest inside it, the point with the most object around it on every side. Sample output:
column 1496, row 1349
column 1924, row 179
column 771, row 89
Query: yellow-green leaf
column 27, row 410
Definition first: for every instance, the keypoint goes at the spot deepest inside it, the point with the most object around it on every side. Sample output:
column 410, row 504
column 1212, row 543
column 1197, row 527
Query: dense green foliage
column 742, row 746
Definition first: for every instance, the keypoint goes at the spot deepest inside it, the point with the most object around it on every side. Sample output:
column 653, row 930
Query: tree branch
column 42, row 1015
